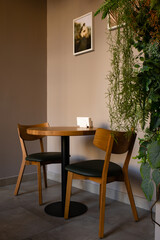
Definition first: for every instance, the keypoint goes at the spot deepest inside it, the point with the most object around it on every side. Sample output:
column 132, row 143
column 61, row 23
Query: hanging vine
column 121, row 101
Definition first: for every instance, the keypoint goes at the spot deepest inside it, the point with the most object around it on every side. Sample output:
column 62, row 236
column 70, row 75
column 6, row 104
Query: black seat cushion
column 94, row 168
column 54, row 157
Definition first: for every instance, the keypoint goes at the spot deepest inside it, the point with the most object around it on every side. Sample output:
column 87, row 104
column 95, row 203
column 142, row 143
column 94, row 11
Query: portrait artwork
column 82, row 34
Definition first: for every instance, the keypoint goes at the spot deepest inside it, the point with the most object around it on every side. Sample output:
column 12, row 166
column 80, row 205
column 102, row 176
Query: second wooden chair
column 104, row 171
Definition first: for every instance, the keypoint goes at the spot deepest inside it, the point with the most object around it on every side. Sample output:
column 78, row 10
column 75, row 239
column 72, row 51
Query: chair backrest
column 124, row 142
column 22, row 130
column 24, row 136
column 114, row 142
column 101, row 138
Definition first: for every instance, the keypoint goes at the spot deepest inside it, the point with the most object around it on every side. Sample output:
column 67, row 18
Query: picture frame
column 112, row 21
column 83, row 34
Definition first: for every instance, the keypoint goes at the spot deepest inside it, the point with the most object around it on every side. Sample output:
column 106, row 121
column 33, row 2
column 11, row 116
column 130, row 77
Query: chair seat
column 54, row 157
column 94, row 168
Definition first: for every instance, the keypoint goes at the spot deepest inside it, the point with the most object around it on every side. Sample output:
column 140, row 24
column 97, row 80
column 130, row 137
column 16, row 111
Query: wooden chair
column 104, row 171
column 39, row 159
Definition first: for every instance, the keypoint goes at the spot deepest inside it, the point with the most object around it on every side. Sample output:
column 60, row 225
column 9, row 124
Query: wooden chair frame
column 106, row 140
column 23, row 136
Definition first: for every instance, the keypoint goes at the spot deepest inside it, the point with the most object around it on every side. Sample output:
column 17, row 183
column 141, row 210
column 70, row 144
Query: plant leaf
column 137, row 66
column 145, row 171
column 143, row 148
column 155, row 122
column 154, row 154
column 148, row 188
column 142, row 59
column 156, row 176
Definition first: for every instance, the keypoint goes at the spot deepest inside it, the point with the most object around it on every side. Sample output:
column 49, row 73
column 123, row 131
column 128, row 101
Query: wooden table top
column 61, row 131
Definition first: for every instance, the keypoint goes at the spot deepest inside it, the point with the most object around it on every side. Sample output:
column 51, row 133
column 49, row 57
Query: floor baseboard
column 13, row 180
column 110, row 193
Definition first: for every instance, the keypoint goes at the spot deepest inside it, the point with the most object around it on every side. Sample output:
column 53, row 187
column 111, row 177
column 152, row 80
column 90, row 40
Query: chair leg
column 130, row 195
column 19, row 178
column 39, row 183
column 68, row 194
column 102, row 209
column 45, row 176
column 99, row 194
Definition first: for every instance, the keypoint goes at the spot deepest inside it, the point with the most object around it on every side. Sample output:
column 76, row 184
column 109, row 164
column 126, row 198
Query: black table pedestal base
column 56, row 209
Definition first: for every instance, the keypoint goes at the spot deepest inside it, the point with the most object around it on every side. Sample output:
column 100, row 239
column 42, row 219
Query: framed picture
column 112, row 21
column 83, row 34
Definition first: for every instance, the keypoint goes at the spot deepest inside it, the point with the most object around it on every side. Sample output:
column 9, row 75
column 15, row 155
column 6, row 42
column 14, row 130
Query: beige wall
column 23, row 74
column 76, row 86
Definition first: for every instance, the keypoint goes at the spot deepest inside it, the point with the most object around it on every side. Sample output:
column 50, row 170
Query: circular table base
column 56, row 209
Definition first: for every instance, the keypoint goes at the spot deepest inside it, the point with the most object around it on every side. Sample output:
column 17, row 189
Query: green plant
column 149, row 155
column 120, row 94
column 134, row 82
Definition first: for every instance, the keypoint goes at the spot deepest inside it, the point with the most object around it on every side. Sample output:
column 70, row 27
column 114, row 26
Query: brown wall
column 23, row 95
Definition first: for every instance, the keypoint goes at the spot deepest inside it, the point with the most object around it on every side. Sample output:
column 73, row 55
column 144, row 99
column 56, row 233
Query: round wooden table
column 57, row 208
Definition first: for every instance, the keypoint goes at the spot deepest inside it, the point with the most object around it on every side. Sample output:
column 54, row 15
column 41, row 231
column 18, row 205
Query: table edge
column 49, row 132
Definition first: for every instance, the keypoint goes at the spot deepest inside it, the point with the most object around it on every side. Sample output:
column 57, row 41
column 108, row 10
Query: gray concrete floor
column 21, row 218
